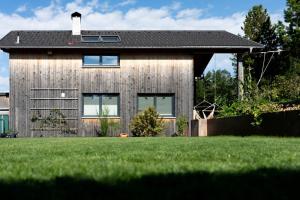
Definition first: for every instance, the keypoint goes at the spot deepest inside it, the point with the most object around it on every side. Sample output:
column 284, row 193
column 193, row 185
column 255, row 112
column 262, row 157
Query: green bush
column 147, row 123
column 181, row 125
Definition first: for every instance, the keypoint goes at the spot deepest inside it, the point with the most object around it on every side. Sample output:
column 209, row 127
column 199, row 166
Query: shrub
column 147, row 123
column 106, row 124
column 181, row 125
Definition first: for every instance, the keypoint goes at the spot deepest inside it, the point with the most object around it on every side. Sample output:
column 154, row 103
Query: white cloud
column 57, row 16
column 21, row 8
column 189, row 13
column 127, row 2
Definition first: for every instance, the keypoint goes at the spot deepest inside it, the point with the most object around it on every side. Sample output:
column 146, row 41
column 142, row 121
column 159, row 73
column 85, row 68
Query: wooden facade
column 4, row 101
column 38, row 79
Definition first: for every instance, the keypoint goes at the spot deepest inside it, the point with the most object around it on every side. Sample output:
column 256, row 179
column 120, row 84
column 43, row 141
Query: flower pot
column 123, row 135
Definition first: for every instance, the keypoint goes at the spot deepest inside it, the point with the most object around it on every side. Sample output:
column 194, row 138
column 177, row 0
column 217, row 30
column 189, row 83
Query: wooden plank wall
column 37, row 79
column 4, row 102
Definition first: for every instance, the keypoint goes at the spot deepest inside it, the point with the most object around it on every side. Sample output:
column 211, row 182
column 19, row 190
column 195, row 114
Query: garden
column 149, row 168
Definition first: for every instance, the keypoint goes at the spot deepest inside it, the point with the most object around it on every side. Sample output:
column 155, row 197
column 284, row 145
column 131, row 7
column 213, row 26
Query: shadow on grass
column 259, row 184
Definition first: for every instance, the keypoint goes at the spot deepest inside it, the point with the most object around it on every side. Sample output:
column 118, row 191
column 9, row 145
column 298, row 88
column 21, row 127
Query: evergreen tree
column 292, row 18
column 258, row 27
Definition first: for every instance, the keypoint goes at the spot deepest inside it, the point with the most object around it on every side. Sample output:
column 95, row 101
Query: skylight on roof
column 90, row 38
column 110, row 38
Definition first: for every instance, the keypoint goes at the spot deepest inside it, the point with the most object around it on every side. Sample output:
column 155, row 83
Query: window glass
column 145, row 102
column 110, row 60
column 91, row 105
column 164, row 105
column 110, row 105
column 110, row 38
column 91, row 60
column 90, row 38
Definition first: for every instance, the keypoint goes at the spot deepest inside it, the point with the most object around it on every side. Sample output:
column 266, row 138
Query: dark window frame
column 155, row 95
column 100, row 64
column 100, row 95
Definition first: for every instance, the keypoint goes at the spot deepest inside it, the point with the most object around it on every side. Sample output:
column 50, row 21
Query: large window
column 101, row 60
column 164, row 104
column 100, row 104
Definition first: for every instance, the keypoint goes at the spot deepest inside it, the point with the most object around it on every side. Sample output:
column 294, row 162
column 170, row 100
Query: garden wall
column 273, row 124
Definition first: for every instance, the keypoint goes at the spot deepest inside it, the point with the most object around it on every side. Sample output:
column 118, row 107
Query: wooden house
column 76, row 74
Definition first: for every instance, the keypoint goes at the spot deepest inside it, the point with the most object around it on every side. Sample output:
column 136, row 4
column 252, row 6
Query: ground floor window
column 163, row 103
column 101, row 104
column 3, row 123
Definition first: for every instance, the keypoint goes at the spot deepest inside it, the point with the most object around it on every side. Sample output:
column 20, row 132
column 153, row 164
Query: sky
column 130, row 15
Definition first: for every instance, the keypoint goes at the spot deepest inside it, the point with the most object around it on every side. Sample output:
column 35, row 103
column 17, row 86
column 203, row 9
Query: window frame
column 172, row 95
column 101, row 65
column 100, row 95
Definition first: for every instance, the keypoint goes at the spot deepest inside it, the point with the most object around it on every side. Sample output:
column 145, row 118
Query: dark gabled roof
column 129, row 39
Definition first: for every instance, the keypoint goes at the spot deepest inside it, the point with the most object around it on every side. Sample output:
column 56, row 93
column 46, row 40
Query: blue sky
column 130, row 14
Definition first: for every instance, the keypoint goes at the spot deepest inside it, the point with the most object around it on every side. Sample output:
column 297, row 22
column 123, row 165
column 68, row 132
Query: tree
column 216, row 87
column 292, row 18
column 258, row 27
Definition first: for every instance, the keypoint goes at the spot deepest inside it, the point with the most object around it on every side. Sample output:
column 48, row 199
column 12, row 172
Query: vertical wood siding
column 37, row 81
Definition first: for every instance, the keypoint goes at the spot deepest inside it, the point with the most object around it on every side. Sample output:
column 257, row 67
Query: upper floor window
column 164, row 104
column 101, row 60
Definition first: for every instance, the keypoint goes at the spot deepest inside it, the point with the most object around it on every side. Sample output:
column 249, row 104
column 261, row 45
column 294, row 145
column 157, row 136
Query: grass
column 166, row 168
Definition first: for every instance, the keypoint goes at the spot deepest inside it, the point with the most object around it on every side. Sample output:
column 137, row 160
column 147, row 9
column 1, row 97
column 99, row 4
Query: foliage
column 265, row 99
column 258, row 27
column 181, row 124
column 106, row 124
column 254, row 108
column 147, row 123
column 56, row 120
column 281, row 82
column 216, row 86
column 283, row 88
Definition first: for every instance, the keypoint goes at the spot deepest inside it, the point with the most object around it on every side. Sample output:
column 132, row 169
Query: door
column 4, row 123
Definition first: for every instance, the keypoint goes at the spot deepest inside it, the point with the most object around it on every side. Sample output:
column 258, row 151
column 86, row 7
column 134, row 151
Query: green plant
column 147, row 123
column 181, row 125
column 56, row 120
column 106, row 124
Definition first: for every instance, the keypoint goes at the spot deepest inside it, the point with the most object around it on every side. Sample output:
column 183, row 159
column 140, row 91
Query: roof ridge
column 135, row 30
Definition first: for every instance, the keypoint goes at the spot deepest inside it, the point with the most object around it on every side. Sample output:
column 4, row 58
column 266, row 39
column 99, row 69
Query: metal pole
column 240, row 73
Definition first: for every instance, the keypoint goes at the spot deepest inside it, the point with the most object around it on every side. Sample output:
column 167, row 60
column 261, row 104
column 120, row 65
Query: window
column 95, row 104
column 110, row 60
column 90, row 38
column 91, row 105
column 164, row 104
column 91, row 60
column 101, row 60
column 110, row 38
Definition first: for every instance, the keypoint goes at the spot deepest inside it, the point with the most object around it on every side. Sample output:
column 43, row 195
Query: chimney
column 76, row 21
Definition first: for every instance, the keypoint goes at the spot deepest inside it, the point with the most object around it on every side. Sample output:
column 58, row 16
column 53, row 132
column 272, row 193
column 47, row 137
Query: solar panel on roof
column 90, row 38
column 110, row 38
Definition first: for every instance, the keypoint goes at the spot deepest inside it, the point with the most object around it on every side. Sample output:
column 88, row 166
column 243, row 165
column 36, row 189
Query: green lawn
column 166, row 168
